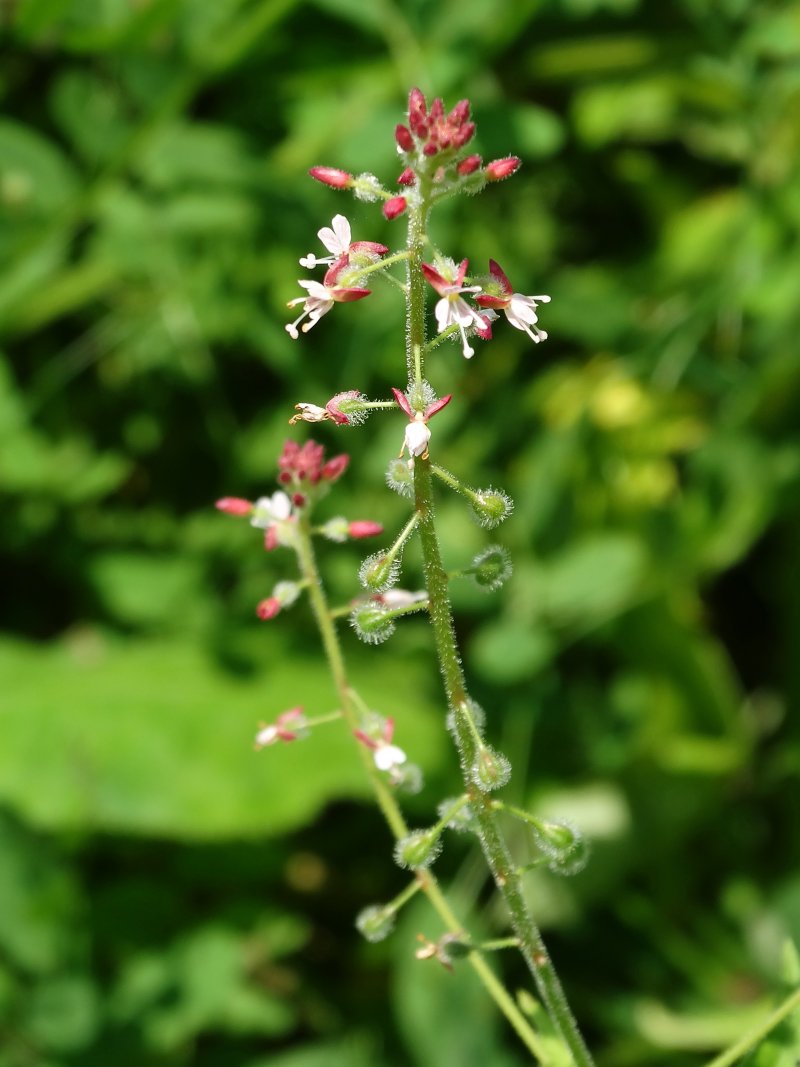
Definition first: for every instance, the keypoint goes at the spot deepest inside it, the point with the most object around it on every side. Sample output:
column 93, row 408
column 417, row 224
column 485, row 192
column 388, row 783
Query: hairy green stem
column 504, row 872
column 333, row 652
column 757, row 1033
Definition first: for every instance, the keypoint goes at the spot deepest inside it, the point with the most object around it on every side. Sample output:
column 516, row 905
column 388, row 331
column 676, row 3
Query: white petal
column 417, row 437
column 267, row 735
column 388, row 756
column 336, row 240
column 522, row 307
column 311, row 412
column 316, row 290
column 442, row 313
column 281, row 505
column 341, row 227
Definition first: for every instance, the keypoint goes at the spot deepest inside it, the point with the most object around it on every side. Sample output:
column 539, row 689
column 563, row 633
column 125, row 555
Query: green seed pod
column 491, row 568
column 375, row 922
column 460, row 819
column 418, row 850
column 476, row 713
column 400, row 477
column 565, row 847
column 490, row 507
column 371, row 624
column 490, row 769
column 379, row 572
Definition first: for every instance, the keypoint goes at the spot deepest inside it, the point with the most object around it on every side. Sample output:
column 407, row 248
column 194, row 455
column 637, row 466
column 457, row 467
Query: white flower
column 521, row 313
column 417, row 437
column 267, row 735
column 323, row 295
column 388, row 756
column 308, row 413
column 269, row 509
column 318, row 303
column 452, row 309
column 336, row 239
column 520, row 310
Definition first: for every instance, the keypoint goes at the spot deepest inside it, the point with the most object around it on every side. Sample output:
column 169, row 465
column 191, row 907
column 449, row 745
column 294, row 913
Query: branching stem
column 386, row 801
column 503, row 869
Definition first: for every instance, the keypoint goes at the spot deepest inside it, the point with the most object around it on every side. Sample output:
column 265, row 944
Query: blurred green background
column 166, row 896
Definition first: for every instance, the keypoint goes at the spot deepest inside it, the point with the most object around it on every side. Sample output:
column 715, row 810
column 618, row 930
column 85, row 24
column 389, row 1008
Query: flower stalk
column 387, row 803
column 504, row 872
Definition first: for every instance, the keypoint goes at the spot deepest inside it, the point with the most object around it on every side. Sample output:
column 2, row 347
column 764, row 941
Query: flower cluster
column 433, row 147
column 336, row 286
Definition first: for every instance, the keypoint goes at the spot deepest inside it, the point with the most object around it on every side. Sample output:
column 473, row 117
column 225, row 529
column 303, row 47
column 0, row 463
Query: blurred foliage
column 640, row 667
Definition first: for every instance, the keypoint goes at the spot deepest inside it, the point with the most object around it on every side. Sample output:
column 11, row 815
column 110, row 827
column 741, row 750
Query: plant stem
column 500, row 863
column 745, row 1043
column 330, row 640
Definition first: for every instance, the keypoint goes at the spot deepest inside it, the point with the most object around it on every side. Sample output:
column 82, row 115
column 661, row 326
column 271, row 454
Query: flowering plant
column 437, row 164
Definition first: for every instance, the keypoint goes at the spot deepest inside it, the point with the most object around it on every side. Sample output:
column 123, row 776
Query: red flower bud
column 337, row 179
column 298, row 499
column 468, row 165
column 408, row 177
column 436, row 113
column 234, row 505
column 364, row 528
column 335, row 467
column 463, row 135
column 402, row 135
column 502, row 168
column 459, row 115
column 417, row 113
column 394, row 207
column 268, row 609
column 431, row 148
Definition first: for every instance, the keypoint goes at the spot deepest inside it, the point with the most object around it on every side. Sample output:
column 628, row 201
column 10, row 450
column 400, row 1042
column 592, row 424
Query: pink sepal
column 332, row 176
column 234, row 505
column 268, row 609
column 502, row 168
column 364, row 528
column 394, row 207
column 335, row 467
column 437, row 405
column 402, row 399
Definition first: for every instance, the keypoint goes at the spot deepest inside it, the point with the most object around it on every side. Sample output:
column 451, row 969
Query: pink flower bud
column 430, row 149
column 502, row 168
column 408, row 177
column 335, row 467
column 402, row 135
column 436, row 113
column 337, row 179
column 268, row 609
column 463, row 135
column 234, row 505
column 460, row 113
column 364, row 528
column 394, row 207
column 468, row 165
column 417, row 113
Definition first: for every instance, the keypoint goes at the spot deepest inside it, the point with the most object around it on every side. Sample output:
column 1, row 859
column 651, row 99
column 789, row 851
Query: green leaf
column 63, row 1014
column 34, row 169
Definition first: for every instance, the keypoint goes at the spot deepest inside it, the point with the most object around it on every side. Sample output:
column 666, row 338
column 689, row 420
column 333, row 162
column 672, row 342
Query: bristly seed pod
column 490, row 770
column 491, row 568
column 418, row 850
column 375, row 922
column 491, row 507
